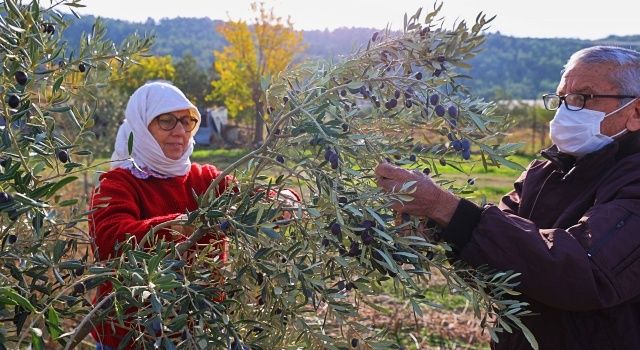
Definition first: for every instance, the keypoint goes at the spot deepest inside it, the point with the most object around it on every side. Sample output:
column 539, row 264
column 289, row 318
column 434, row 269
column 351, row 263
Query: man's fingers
column 389, row 176
column 389, row 171
column 386, row 183
column 390, row 185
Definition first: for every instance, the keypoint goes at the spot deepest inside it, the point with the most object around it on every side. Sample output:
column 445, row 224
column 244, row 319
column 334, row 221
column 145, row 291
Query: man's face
column 597, row 79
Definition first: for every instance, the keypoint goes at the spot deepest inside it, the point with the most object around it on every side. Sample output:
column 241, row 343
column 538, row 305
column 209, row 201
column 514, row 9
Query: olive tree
column 298, row 273
column 46, row 115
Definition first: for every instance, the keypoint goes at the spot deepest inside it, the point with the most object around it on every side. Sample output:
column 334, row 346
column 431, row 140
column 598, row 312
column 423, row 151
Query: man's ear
column 633, row 123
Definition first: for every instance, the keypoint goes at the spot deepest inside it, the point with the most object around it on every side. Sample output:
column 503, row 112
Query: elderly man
column 571, row 226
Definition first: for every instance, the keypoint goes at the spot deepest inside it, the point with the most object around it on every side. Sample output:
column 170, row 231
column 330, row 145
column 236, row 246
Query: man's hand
column 428, row 198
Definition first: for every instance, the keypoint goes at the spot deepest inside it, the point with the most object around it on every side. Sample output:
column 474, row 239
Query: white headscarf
column 146, row 103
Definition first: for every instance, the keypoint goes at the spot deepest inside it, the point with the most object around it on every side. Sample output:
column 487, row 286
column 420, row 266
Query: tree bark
column 259, row 121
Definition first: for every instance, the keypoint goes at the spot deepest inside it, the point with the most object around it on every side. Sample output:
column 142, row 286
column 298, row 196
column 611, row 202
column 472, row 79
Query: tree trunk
column 534, row 129
column 259, row 121
column 259, row 126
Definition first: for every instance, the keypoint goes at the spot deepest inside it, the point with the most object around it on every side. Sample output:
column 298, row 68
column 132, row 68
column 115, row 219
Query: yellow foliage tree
column 256, row 51
column 149, row 68
column 236, row 65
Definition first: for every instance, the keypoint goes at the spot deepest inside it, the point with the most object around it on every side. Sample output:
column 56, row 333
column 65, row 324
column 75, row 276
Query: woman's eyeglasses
column 168, row 122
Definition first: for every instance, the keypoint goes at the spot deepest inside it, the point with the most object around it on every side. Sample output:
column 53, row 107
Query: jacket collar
column 602, row 159
column 562, row 161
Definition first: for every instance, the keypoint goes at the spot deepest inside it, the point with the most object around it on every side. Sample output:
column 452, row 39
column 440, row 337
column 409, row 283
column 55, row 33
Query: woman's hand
column 428, row 199
column 183, row 230
column 288, row 200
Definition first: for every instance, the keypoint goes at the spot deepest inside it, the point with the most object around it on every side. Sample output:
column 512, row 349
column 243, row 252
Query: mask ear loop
column 625, row 130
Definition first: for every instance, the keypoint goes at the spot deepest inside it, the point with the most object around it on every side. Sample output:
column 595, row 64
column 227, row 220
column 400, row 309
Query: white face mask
column 578, row 132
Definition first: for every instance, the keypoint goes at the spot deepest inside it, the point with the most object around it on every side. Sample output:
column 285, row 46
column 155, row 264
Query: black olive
column 13, row 101
column 21, row 77
column 63, row 156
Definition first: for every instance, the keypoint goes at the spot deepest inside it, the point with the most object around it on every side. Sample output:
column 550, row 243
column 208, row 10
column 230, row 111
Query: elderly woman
column 154, row 184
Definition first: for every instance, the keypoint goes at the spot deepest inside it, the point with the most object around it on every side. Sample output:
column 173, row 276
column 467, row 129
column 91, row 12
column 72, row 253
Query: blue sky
column 540, row 18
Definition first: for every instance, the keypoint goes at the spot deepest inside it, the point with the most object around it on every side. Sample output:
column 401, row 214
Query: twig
column 85, row 325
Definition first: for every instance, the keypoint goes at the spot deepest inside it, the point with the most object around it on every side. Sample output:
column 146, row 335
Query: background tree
column 146, row 69
column 529, row 116
column 192, row 79
column 110, row 101
column 253, row 53
column 234, row 65
column 525, row 67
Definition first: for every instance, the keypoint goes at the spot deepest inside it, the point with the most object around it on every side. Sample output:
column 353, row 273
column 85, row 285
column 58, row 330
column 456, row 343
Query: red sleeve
column 116, row 214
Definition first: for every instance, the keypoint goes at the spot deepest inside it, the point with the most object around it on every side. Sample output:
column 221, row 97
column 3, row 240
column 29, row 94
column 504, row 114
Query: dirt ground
column 436, row 329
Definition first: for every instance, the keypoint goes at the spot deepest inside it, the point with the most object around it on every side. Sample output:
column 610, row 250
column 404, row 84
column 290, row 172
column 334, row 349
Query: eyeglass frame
column 585, row 98
column 176, row 120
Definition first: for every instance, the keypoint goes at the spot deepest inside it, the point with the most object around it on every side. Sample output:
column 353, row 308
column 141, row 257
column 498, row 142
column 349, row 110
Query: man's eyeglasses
column 169, row 121
column 574, row 102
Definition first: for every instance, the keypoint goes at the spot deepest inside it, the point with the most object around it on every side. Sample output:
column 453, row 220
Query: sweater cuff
column 462, row 224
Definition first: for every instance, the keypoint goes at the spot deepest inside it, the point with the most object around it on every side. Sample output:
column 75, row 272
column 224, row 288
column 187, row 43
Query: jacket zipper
column 535, row 201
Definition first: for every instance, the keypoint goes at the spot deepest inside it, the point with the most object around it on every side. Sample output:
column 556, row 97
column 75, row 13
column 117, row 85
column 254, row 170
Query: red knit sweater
column 126, row 205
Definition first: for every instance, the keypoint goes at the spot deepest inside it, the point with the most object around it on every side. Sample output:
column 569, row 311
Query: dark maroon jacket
column 572, row 228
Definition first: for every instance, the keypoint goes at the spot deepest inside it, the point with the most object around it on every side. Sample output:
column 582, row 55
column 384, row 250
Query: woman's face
column 172, row 131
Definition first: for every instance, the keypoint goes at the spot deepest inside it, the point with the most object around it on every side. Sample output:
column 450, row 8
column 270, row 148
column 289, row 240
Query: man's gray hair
column 627, row 74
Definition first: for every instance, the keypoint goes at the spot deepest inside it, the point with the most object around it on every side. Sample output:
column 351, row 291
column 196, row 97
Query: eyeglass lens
column 169, row 121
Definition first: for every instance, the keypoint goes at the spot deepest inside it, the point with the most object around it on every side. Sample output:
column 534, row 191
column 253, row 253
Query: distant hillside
column 508, row 67
column 175, row 37
column 511, row 67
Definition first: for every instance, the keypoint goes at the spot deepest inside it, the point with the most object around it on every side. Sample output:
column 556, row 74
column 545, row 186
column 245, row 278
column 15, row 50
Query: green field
column 491, row 183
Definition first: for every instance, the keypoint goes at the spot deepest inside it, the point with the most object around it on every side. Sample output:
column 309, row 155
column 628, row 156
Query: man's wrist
column 461, row 225
column 443, row 206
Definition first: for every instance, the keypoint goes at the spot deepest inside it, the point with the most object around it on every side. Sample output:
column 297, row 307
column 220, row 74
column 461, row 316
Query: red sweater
column 135, row 206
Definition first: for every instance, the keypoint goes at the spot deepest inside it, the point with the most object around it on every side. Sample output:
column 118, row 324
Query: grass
column 219, row 157
column 437, row 293
column 436, row 341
